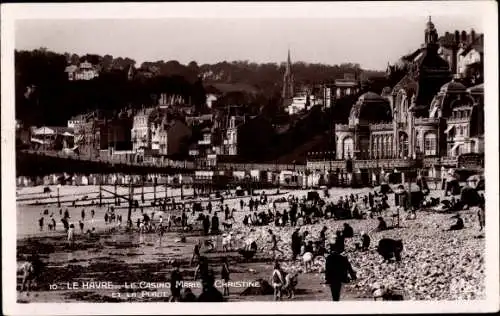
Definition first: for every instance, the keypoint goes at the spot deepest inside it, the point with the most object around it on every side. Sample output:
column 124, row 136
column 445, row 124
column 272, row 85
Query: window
column 389, row 148
column 430, row 144
column 348, row 149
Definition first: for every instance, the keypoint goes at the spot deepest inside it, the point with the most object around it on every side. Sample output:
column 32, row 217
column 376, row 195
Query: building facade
column 429, row 114
column 349, row 85
column 141, row 129
column 84, row 71
column 91, row 134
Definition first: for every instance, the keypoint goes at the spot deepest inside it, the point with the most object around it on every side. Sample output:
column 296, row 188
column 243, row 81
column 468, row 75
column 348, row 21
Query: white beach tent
column 44, row 131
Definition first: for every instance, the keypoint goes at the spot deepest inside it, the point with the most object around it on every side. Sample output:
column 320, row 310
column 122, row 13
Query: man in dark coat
column 296, row 244
column 175, row 283
column 206, row 224
column 338, row 269
column 215, row 224
column 293, row 215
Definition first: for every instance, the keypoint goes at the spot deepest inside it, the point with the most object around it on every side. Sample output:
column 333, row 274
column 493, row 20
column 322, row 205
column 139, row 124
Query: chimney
column 457, row 37
column 472, row 36
column 464, row 37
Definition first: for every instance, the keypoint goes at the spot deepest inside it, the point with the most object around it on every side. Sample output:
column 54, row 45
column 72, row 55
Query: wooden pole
column 130, row 200
column 100, row 192
column 142, row 191
column 154, row 188
column 116, row 193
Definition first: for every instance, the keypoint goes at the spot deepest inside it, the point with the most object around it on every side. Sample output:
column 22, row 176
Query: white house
column 211, row 98
column 299, row 103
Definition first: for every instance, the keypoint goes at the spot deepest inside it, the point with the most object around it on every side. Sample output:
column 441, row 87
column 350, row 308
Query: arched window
column 401, row 106
column 386, row 146
column 430, row 144
column 348, row 148
column 389, row 148
column 403, row 143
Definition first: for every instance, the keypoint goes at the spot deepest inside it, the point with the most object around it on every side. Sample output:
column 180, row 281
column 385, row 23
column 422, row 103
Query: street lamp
column 58, row 199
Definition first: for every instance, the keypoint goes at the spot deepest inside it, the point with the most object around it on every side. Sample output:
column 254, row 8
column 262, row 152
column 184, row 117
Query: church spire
column 288, row 80
column 289, row 61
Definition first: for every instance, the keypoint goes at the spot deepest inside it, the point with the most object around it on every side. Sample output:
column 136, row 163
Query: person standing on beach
column 71, row 235
column 224, row 274
column 175, row 283
column 481, row 217
column 53, row 224
column 278, row 281
column 274, row 244
column 196, row 253
column 337, row 271
column 40, row 223
column 215, row 224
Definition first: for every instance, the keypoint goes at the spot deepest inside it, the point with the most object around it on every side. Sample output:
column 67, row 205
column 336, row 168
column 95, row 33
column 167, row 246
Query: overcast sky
column 372, row 42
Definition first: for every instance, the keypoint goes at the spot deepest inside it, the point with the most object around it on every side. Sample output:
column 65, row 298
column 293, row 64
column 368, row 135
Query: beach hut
column 84, row 180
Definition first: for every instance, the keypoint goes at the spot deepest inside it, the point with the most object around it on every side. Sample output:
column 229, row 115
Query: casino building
column 425, row 122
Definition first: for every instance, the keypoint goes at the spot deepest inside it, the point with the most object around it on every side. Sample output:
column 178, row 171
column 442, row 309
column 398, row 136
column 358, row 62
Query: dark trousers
column 335, row 288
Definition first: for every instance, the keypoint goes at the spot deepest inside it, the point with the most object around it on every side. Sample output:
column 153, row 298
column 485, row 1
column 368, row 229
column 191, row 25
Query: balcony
column 204, row 142
column 385, row 163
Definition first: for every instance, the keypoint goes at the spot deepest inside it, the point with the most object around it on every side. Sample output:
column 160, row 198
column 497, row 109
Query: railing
column 381, row 127
column 262, row 167
column 341, row 127
column 427, row 120
column 180, row 164
column 326, row 165
column 384, row 163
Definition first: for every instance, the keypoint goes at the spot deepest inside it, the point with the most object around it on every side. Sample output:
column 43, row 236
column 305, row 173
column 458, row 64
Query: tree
column 107, row 62
column 75, row 59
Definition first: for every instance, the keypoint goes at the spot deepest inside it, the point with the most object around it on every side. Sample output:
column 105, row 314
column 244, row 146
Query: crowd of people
column 261, row 211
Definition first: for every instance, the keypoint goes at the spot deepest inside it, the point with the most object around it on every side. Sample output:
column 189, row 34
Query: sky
column 371, row 42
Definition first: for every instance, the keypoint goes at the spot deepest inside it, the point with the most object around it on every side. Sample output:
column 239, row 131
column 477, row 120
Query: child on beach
column 40, row 223
column 71, row 234
column 277, row 280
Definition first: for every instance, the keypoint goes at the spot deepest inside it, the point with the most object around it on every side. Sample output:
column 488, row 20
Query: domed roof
column 453, row 86
column 370, row 96
column 372, row 108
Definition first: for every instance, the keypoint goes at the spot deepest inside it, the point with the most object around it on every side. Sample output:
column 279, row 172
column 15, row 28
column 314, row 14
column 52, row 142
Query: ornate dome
column 371, row 108
column 453, row 86
column 370, row 97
